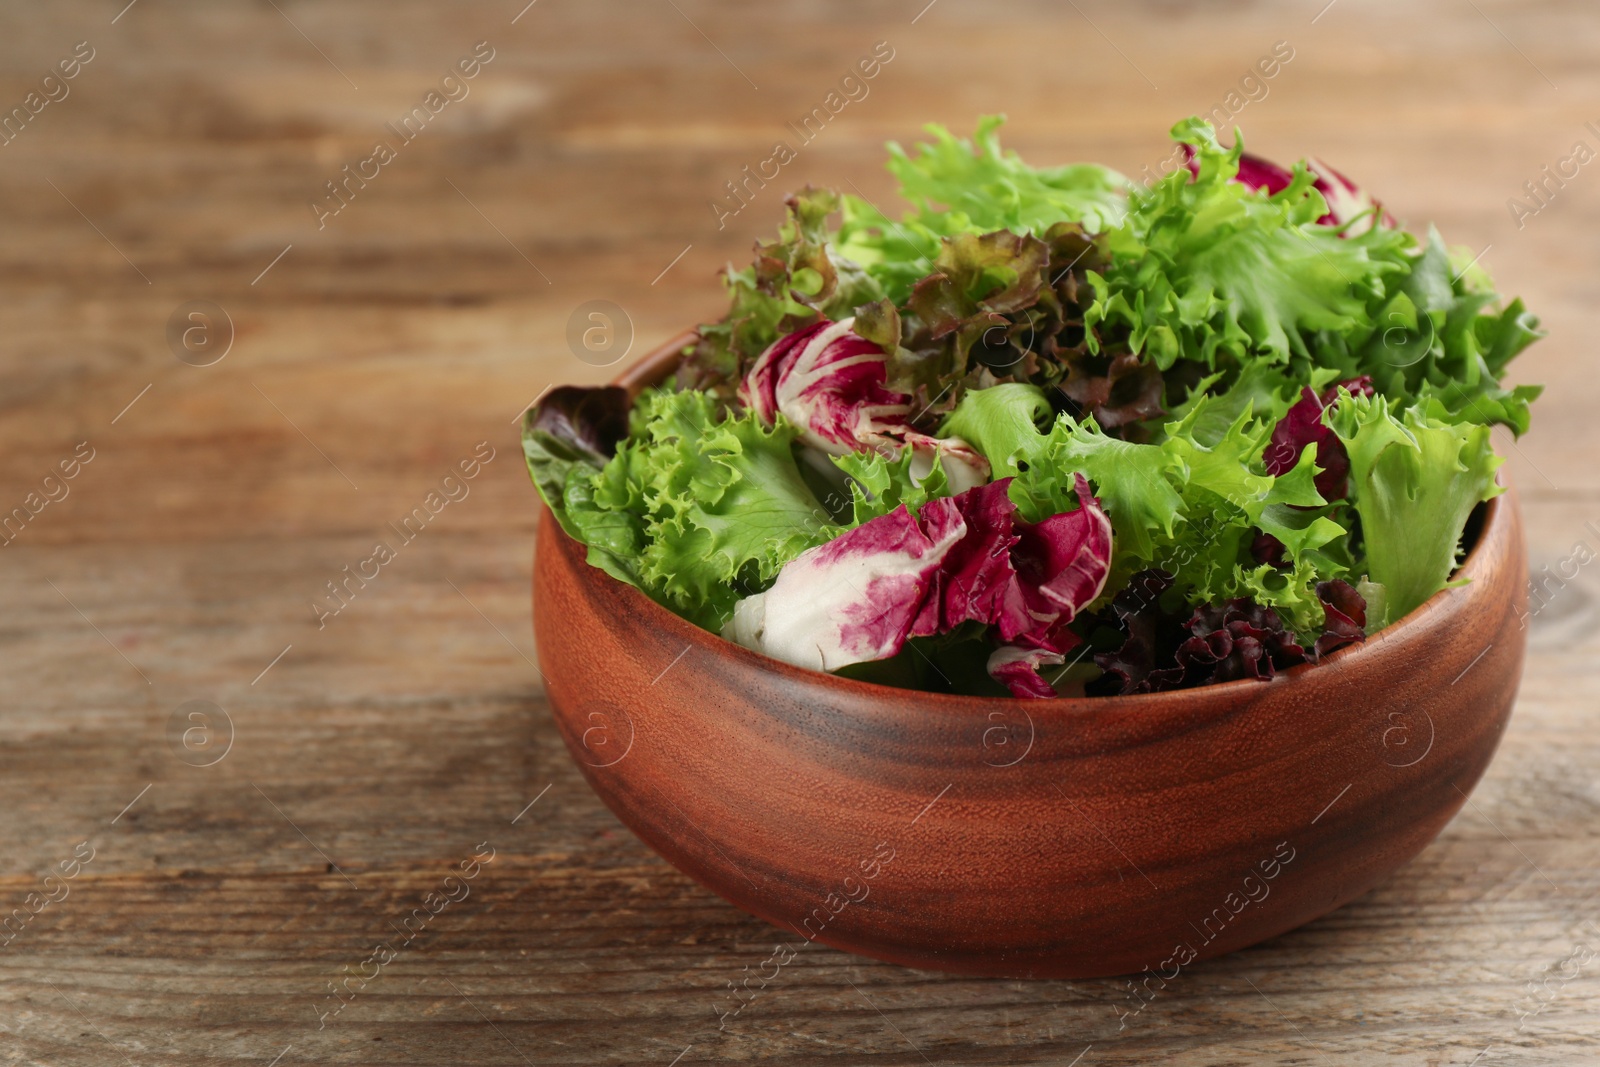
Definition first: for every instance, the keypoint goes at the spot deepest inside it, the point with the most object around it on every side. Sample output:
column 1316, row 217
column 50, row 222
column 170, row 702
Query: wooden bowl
column 1065, row 838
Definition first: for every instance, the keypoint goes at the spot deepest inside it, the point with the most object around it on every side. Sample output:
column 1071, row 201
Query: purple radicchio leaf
column 964, row 558
column 1347, row 201
column 853, row 599
column 1018, row 670
column 1062, row 566
column 978, row 574
column 1028, row 580
column 1304, row 425
column 832, row 383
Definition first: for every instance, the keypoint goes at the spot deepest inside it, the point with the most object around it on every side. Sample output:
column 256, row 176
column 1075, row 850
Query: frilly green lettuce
column 701, row 509
column 1187, row 504
column 1415, row 481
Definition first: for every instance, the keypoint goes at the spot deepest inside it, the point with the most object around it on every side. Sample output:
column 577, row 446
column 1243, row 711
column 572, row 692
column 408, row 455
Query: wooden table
column 340, row 770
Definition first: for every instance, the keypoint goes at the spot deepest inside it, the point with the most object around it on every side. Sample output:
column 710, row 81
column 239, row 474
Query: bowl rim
column 653, row 366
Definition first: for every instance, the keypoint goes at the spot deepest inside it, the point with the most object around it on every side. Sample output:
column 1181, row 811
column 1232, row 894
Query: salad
column 1051, row 432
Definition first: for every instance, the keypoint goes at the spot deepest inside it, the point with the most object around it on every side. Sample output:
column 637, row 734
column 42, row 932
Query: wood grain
column 413, row 727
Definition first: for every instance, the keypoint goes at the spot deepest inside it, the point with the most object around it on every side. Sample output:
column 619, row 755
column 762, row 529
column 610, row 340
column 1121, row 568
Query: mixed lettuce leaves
column 1274, row 401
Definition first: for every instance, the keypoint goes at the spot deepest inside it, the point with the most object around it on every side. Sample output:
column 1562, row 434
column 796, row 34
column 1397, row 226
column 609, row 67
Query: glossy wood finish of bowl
column 1059, row 838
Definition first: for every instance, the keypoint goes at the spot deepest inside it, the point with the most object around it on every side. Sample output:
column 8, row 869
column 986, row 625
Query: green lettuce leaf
column 879, row 484
column 1261, row 388
column 615, row 536
column 1135, row 483
column 960, row 187
column 1228, row 496
column 979, row 186
column 1440, row 337
column 1193, row 506
column 1415, row 481
column 708, row 509
column 567, row 437
column 1003, row 422
column 1208, row 268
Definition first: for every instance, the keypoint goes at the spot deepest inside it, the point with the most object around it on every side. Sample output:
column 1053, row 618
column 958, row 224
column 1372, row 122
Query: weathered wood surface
column 382, row 750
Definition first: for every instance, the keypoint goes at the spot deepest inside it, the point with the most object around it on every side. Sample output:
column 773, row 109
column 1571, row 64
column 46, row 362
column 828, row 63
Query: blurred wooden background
column 367, row 758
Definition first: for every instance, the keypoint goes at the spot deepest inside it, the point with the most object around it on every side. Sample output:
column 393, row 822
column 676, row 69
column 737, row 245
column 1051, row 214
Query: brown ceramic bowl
column 1064, row 838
